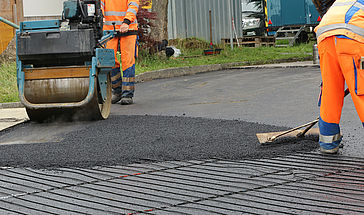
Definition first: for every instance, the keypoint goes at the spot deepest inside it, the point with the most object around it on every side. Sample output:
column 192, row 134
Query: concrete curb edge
column 181, row 71
column 192, row 70
column 11, row 105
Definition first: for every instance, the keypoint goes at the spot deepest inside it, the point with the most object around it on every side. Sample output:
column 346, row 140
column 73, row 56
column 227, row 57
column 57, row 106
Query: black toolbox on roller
column 56, row 48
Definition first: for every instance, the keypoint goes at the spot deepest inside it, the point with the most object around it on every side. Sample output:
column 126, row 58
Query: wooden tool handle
column 293, row 129
column 301, row 134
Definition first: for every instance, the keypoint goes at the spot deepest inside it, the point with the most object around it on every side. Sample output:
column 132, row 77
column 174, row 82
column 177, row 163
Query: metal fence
column 190, row 18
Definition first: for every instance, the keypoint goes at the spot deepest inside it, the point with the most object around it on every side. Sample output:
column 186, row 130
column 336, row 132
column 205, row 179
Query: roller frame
column 99, row 85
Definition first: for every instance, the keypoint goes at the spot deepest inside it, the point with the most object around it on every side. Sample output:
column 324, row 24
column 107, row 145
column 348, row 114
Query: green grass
column 245, row 55
column 8, row 88
column 192, row 55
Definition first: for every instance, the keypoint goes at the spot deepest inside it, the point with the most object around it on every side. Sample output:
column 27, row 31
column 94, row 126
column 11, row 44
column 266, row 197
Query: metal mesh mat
column 307, row 183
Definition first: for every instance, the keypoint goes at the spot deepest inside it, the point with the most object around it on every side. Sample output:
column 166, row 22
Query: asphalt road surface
column 211, row 115
column 277, row 96
column 188, row 146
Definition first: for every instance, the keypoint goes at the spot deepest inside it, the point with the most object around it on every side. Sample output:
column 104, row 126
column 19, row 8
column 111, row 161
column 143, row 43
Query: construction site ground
column 187, row 146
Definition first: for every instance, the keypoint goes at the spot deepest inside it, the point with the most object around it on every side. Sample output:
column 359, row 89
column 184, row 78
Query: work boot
column 330, row 151
column 330, row 148
column 126, row 101
column 115, row 97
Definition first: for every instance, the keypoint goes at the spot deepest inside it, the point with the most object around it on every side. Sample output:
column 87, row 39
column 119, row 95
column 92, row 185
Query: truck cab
column 260, row 17
column 253, row 17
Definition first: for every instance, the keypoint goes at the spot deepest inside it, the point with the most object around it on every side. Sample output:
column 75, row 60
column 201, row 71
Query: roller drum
column 65, row 85
column 66, row 90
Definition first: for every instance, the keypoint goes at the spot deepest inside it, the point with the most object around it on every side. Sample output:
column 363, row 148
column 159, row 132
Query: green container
column 291, row 12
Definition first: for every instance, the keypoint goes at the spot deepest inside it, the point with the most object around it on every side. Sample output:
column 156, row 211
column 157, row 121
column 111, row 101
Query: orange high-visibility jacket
column 120, row 11
column 345, row 17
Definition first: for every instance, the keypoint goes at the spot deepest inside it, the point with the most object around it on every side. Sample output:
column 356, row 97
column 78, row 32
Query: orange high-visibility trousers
column 128, row 52
column 340, row 62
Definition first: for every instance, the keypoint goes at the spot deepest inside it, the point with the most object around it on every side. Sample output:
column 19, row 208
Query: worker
column 340, row 37
column 122, row 14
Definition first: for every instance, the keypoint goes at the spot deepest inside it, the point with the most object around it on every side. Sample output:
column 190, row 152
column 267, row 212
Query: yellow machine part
column 148, row 4
column 6, row 35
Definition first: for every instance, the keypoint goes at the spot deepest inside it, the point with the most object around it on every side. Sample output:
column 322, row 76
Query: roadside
column 192, row 50
column 8, row 88
column 13, row 113
column 157, row 65
column 192, row 70
column 163, row 73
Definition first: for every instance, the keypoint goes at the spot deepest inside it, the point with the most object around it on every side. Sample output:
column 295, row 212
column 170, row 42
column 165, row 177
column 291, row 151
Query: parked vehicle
column 254, row 17
column 262, row 17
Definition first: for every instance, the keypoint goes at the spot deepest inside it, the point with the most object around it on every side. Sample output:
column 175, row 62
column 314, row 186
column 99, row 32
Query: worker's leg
column 332, row 96
column 128, row 53
column 115, row 73
column 350, row 53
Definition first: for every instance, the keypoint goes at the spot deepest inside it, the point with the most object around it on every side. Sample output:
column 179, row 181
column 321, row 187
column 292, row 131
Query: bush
column 144, row 19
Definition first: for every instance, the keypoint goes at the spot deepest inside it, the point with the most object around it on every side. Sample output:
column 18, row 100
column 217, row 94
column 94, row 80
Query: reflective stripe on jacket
column 119, row 11
column 345, row 17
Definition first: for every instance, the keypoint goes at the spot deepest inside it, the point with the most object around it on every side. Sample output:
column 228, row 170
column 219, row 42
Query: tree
column 159, row 29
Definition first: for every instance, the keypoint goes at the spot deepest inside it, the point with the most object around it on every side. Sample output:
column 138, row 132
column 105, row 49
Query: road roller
column 63, row 68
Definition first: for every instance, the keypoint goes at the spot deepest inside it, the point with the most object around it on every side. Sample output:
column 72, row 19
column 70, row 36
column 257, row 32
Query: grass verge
column 245, row 55
column 8, row 88
column 191, row 49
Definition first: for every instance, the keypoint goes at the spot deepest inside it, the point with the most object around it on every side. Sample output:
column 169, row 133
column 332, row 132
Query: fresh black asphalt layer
column 124, row 140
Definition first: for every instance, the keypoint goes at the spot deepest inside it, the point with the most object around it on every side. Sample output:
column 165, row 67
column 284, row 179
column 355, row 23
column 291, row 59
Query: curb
column 182, row 71
column 192, row 70
column 11, row 105
column 272, row 66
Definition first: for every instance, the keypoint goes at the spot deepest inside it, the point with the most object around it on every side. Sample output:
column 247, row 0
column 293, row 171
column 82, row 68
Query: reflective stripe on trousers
column 125, row 83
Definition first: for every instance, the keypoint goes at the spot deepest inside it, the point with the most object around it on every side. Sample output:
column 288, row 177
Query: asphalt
column 122, row 140
column 195, row 119
column 210, row 121
column 285, row 96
